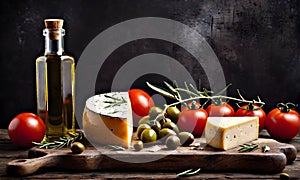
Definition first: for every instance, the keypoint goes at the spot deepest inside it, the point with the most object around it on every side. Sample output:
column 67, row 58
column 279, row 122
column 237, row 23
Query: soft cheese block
column 107, row 119
column 229, row 132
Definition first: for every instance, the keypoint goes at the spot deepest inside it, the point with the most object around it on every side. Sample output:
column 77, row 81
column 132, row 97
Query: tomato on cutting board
column 141, row 102
column 253, row 110
column 283, row 122
column 193, row 121
column 26, row 128
column 220, row 110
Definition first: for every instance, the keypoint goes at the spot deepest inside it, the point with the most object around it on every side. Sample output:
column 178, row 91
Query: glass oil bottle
column 55, row 78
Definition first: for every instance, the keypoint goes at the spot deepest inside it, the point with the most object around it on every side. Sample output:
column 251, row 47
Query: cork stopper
column 54, row 28
column 54, row 23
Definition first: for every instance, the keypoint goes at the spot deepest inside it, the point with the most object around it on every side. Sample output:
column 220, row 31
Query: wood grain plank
column 208, row 159
column 13, row 153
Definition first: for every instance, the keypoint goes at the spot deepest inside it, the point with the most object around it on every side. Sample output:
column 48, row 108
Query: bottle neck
column 54, row 41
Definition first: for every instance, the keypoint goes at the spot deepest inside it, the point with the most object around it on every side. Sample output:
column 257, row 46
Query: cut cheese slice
column 229, row 132
column 107, row 119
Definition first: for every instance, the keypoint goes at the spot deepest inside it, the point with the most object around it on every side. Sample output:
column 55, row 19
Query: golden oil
column 55, row 78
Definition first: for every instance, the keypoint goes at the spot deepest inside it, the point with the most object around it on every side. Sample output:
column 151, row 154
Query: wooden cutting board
column 163, row 160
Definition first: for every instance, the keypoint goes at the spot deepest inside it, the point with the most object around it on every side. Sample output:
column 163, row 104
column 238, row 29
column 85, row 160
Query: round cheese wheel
column 107, row 119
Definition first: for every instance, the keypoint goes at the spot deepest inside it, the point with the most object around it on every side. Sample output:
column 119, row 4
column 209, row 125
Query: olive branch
column 175, row 92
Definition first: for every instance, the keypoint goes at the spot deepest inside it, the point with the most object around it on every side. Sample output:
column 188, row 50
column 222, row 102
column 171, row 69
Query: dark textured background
column 256, row 41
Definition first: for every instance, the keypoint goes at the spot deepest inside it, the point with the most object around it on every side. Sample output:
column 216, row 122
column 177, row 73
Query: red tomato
column 26, row 128
column 256, row 110
column 282, row 125
column 141, row 103
column 193, row 121
column 190, row 105
column 222, row 110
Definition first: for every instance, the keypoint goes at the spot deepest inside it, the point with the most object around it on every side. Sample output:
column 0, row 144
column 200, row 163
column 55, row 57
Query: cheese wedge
column 107, row 119
column 229, row 132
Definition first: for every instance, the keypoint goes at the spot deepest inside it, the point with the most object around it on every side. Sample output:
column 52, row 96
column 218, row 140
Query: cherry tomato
column 26, row 128
column 282, row 124
column 192, row 121
column 253, row 110
column 222, row 110
column 141, row 102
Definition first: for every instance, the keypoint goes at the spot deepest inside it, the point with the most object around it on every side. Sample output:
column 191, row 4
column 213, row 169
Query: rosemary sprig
column 111, row 97
column 247, row 148
column 61, row 142
column 115, row 101
column 189, row 172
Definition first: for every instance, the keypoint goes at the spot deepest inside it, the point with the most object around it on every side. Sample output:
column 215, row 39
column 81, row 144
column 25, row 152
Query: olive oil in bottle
column 55, row 78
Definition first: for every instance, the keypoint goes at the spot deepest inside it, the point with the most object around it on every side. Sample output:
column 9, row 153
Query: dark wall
column 256, row 41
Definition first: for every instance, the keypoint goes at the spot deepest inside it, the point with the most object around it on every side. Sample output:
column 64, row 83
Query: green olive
column 138, row 145
column 144, row 120
column 141, row 128
column 165, row 133
column 186, row 138
column 154, row 112
column 164, row 120
column 284, row 176
column 77, row 148
column 173, row 113
column 155, row 125
column 148, row 135
column 172, row 142
column 171, row 126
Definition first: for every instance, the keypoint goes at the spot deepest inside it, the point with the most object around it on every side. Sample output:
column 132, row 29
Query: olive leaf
column 161, row 91
column 175, row 84
column 173, row 90
column 188, row 90
column 224, row 89
column 193, row 87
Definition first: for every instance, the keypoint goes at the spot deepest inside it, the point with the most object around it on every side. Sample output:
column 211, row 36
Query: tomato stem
column 286, row 107
column 250, row 107
column 210, row 98
column 193, row 106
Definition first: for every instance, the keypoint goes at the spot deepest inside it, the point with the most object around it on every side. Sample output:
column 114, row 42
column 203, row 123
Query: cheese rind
column 229, row 132
column 107, row 119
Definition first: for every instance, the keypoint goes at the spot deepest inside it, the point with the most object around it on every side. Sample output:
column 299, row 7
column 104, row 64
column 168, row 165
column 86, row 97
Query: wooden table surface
column 9, row 152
